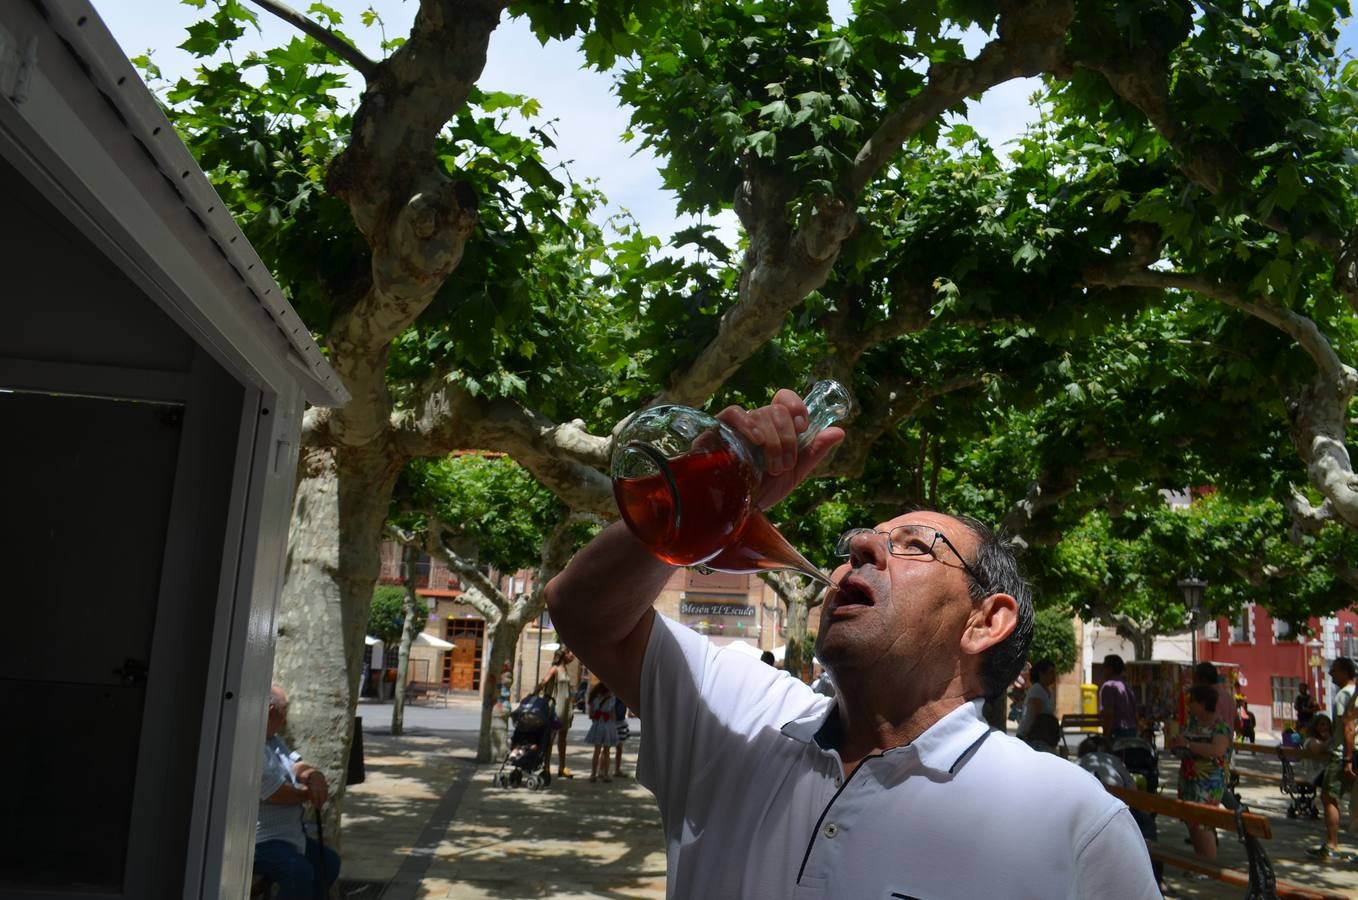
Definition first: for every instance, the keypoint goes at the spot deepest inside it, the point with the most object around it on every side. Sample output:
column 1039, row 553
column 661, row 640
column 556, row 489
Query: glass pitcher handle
column 826, row 403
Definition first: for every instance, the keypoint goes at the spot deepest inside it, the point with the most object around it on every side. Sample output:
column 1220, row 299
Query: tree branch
column 893, row 402
column 329, row 39
column 564, row 457
column 1214, row 165
column 1318, row 411
column 484, row 596
column 1307, row 518
column 1031, row 41
column 1050, row 487
column 1296, row 326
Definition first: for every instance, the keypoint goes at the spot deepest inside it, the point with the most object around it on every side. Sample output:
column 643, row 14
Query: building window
column 1242, row 626
column 1284, row 692
column 1348, row 643
column 1211, row 631
column 1282, row 631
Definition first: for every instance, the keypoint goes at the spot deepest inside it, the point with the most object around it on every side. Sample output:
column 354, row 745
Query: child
column 603, row 729
column 620, row 714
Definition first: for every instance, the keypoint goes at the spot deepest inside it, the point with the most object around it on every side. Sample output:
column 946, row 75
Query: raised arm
column 601, row 603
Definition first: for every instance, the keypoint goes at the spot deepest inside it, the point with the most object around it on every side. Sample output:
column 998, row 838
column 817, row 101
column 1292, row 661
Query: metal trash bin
column 353, row 773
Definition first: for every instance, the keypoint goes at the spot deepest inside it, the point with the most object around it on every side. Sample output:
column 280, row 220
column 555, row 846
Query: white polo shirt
column 753, row 807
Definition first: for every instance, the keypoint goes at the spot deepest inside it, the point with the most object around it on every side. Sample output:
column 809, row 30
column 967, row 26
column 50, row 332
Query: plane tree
column 1195, row 160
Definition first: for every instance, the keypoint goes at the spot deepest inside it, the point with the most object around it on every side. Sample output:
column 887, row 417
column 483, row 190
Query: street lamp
column 1193, row 588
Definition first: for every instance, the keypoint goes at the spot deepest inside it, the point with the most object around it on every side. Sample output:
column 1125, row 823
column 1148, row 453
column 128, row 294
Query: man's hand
column 317, row 789
column 774, row 430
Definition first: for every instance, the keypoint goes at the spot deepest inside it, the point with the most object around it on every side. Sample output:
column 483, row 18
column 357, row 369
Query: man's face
column 1339, row 676
column 904, row 614
column 278, row 714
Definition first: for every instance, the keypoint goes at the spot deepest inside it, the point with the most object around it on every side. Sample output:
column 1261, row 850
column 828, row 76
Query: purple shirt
column 1116, row 697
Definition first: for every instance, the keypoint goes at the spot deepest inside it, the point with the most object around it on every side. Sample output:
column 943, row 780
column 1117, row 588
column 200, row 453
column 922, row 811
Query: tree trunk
column 797, row 649
column 504, row 636
column 1143, row 645
column 332, row 565
column 410, row 558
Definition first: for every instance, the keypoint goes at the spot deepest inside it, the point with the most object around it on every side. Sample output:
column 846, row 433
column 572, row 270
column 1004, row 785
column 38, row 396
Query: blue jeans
column 295, row 873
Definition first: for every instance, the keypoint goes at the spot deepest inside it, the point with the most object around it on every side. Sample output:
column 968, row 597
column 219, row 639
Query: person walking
column 603, row 729
column 1304, row 707
column 896, row 786
column 1339, row 775
column 1040, row 698
column 1117, row 700
column 559, row 686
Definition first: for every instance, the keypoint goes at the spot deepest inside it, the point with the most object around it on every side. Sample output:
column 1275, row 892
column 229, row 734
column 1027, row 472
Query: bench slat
column 1192, row 863
column 1196, row 813
column 1270, row 749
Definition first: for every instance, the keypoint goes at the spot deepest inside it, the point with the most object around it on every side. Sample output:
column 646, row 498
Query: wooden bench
column 1267, row 749
column 427, row 690
column 1081, row 722
column 1213, row 817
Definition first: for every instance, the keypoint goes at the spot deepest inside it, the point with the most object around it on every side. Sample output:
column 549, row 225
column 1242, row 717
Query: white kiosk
column 152, row 384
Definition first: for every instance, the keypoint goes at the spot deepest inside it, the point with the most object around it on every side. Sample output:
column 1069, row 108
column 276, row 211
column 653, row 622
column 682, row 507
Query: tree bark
column 332, row 564
column 799, row 596
column 410, row 557
column 504, row 638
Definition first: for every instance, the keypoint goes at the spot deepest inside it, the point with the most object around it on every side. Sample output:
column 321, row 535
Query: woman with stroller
column 1205, row 743
column 603, row 729
column 556, row 687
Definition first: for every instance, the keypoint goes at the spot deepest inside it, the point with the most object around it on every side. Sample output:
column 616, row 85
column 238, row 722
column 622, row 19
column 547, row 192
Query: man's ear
column 989, row 623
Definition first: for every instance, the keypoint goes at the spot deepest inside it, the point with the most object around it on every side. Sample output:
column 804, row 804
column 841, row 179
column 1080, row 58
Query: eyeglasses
column 907, row 540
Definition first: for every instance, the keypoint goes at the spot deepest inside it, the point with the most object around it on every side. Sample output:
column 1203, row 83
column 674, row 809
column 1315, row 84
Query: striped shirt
column 278, row 822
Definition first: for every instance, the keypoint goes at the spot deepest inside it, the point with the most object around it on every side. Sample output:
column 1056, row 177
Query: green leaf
column 763, row 143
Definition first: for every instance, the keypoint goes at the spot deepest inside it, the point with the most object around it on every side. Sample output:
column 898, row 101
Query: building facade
column 1274, row 661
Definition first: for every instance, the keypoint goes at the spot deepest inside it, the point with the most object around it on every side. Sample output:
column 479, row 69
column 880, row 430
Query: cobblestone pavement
column 429, row 822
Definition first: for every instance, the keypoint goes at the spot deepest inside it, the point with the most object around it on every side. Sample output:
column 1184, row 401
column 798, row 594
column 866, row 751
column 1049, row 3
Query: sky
column 589, row 122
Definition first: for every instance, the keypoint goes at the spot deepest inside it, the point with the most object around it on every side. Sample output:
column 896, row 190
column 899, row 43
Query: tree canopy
column 386, row 615
column 1153, row 289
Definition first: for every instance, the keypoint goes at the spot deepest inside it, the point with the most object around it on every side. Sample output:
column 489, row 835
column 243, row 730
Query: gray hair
column 997, row 567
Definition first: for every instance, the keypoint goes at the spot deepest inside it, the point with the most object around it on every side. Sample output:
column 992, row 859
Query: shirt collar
column 942, row 748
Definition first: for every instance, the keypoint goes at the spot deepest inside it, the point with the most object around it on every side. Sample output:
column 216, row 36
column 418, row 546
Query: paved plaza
column 429, row 823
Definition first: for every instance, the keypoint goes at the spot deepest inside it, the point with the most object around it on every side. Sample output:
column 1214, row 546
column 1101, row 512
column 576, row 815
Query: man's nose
column 868, row 548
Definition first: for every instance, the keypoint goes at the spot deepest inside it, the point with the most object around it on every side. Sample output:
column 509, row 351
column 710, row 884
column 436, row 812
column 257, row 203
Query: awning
column 425, row 639
column 370, row 640
column 740, row 646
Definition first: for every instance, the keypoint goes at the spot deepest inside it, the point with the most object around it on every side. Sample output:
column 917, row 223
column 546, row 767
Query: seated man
column 283, row 852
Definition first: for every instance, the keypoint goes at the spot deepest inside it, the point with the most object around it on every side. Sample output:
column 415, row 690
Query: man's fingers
column 790, row 401
column 819, row 448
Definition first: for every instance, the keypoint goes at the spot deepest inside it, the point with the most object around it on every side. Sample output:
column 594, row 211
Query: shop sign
column 690, row 608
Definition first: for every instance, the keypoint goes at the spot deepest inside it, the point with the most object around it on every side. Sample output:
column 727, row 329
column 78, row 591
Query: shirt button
column 839, row 781
column 831, row 830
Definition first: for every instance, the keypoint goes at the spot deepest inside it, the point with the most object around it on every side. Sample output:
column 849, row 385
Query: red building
column 1274, row 662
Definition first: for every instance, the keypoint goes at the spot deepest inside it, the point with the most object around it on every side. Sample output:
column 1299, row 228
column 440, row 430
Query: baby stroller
column 1140, row 758
column 1300, row 794
column 530, row 745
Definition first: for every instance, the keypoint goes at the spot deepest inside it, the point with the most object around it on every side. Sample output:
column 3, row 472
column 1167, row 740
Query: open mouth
column 852, row 592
